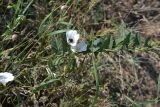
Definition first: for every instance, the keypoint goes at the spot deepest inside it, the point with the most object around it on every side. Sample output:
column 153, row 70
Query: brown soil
column 142, row 15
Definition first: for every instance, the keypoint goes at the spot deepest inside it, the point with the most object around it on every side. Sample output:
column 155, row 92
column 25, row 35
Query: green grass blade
column 58, row 32
column 96, row 76
column 44, row 85
column 24, row 11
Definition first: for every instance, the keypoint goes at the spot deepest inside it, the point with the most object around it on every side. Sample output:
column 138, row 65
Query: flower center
column 71, row 40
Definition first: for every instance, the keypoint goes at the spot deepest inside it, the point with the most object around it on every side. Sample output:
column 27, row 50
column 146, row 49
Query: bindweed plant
column 69, row 53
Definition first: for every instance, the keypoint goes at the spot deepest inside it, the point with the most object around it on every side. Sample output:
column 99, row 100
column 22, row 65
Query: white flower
column 72, row 37
column 6, row 77
column 14, row 37
column 80, row 47
column 63, row 7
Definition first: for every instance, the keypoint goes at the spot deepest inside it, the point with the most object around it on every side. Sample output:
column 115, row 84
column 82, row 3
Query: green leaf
column 136, row 40
column 44, row 85
column 96, row 76
column 107, row 42
column 126, row 41
column 55, row 45
column 114, row 43
column 147, row 42
column 95, row 49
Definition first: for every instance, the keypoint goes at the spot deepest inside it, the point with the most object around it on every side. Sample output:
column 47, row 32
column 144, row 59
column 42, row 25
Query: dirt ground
column 141, row 15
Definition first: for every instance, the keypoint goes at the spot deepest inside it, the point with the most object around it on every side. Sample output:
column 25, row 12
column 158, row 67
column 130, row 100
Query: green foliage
column 44, row 85
column 18, row 18
column 131, row 41
column 96, row 76
column 45, row 66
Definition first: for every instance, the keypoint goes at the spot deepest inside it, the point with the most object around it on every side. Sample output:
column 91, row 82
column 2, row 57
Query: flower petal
column 73, row 49
column 72, row 35
column 80, row 47
column 6, row 77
